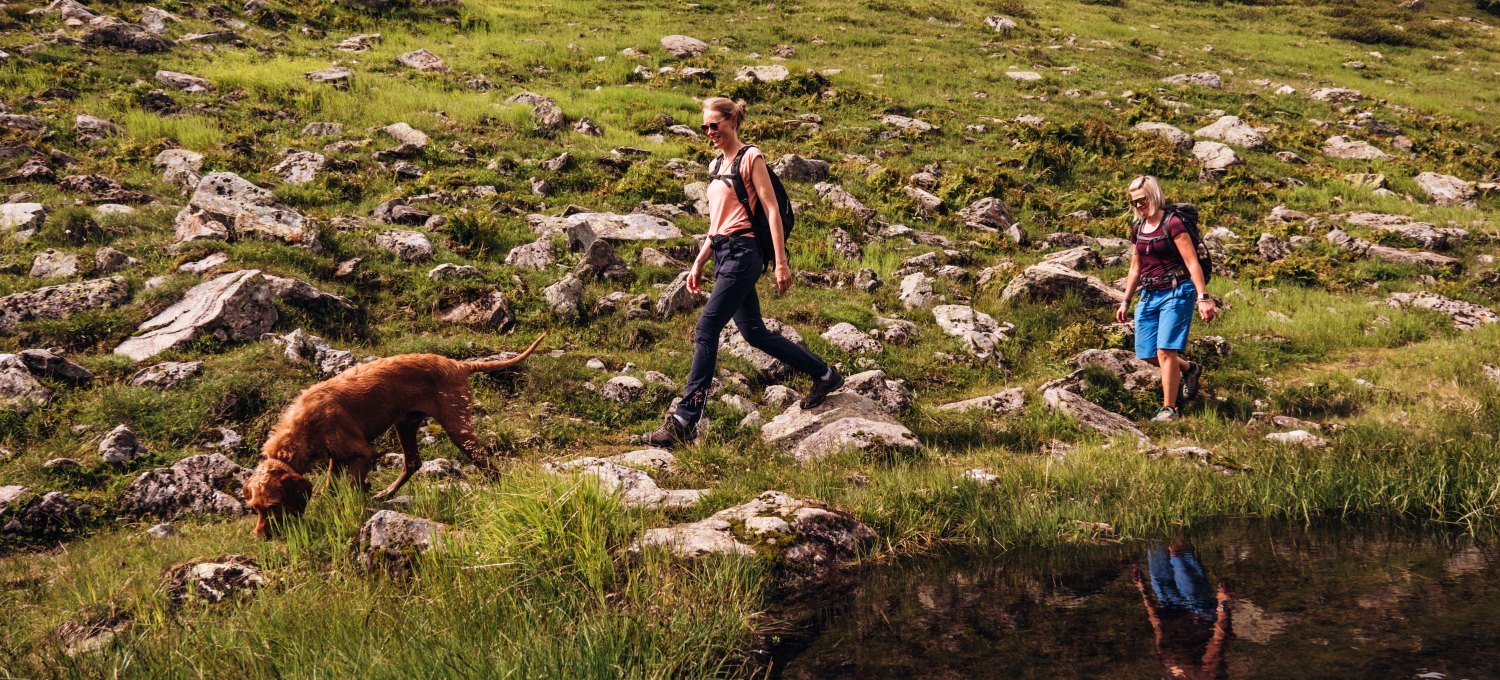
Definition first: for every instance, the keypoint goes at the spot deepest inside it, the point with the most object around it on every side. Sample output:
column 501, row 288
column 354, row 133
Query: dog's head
column 274, row 490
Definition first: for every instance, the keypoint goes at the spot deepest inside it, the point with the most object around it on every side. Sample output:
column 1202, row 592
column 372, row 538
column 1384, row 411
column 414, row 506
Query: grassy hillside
column 539, row 584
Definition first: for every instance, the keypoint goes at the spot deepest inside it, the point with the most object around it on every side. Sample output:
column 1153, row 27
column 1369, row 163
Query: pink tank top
column 726, row 216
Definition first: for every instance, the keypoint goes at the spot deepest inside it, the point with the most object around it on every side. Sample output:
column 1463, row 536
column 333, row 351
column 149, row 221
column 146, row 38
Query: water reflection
column 1240, row 601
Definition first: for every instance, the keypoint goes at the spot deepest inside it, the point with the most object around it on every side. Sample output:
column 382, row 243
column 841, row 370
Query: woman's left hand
column 783, row 278
column 1208, row 310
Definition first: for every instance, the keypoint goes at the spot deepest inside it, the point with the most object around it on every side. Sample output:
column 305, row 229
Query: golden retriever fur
column 337, row 419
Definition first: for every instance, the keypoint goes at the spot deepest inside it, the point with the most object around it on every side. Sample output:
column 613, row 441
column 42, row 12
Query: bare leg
column 1172, row 366
column 406, row 431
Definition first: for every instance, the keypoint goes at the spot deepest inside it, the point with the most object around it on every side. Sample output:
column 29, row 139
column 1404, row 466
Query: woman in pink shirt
column 738, row 264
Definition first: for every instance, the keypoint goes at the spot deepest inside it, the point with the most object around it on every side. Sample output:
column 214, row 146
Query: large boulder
column 916, row 291
column 565, row 297
column 1445, row 189
column 57, row 302
column 391, row 537
column 412, row 246
column 1232, row 130
column 843, row 421
column 536, row 255
column 682, row 46
column 612, row 226
column 54, row 365
column 1052, row 281
column 227, row 206
column 980, row 333
column 635, row 488
column 1466, row 316
column 232, row 307
column 204, row 484
column 1215, row 157
column 1092, row 415
column 19, row 390
column 601, row 261
column 794, row 168
column 1180, row 140
column 769, row 367
column 676, row 298
column 813, row 545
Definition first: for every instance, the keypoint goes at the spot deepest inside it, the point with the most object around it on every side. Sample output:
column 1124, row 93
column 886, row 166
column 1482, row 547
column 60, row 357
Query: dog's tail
column 487, row 366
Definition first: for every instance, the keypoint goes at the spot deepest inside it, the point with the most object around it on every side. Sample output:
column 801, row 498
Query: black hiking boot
column 822, row 388
column 670, row 434
column 1189, row 387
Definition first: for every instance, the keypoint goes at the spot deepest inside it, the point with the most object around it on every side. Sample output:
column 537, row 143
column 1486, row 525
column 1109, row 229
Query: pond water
column 1319, row 602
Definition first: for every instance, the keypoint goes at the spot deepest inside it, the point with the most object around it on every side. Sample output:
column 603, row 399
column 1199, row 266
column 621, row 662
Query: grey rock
column 390, row 536
column 87, row 129
column 1341, row 146
column 917, row 293
column 612, row 226
column 1180, row 140
column 980, row 333
column 322, row 129
column 107, row 260
column 448, row 271
column 682, row 46
column 836, row 196
column 677, row 299
column 411, row 246
column 794, row 168
column 981, row 477
column 423, row 60
column 124, row 36
column 226, row 206
column 203, row 484
column 623, row 389
column 1232, row 130
column 47, row 363
column 180, row 168
column 544, row 110
column 1023, row 76
column 1301, row 438
column 1272, row 248
column 333, row 75
column 162, row 530
column 586, row 127
column 183, row 81
column 600, row 261
column 19, row 390
column 1007, row 401
column 1363, row 248
column 896, row 331
column 635, row 488
column 660, row 461
column 987, row 212
column 62, row 465
column 1091, row 415
column 1466, row 316
column 300, row 167
column 213, row 581
column 25, row 219
column 232, row 307
column 406, row 134
column 1077, row 258
column 1420, row 233
column 50, row 513
column 1207, row 79
column 850, row 339
column 10, row 494
column 120, row 445
column 766, row 74
column 1336, row 95
column 921, row 127
column 54, row 264
column 299, row 346
column 1215, row 157
column 565, row 297
column 205, row 265
column 1000, row 24
column 1052, row 281
column 1446, row 189
column 536, row 255
column 866, row 279
column 165, row 375
column 358, row 43
column 1134, row 375
column 57, row 302
column 489, row 311
column 893, row 395
column 845, row 420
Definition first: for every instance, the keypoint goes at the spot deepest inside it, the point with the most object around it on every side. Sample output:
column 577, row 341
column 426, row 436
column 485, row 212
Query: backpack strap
column 737, row 180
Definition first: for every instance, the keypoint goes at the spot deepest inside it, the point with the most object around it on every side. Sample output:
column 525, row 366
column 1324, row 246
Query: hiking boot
column 1167, row 414
column 1189, row 388
column 822, row 388
column 670, row 434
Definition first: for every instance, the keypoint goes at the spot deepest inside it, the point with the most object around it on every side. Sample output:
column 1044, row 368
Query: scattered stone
column 759, row 74
column 635, row 488
column 1078, row 258
column 88, row 129
column 448, row 271
column 1000, row 24
column 204, row 265
column 1091, row 415
column 847, row 337
column 179, row 168
column 623, row 389
column 233, row 307
column 303, row 347
column 1180, row 140
column 1007, row 401
column 24, row 219
column 794, row 168
column 1421, row 233
column 1207, row 79
column 1232, row 130
column 57, row 302
column 182, row 81
column 337, row 76
column 10, row 494
column 107, row 260
column 212, row 581
column 121, row 446
column 611, row 226
column 1342, row 146
column 893, row 395
column 981, row 477
column 1213, row 345
column 1216, row 158
column 677, row 299
column 1052, row 281
column 422, row 60
column 226, row 206
column 208, row 484
column 322, row 130
column 47, row 363
column 980, row 333
column 50, row 264
column 536, row 255
column 988, row 212
column 166, row 375
column 836, row 196
column 600, row 261
column 411, row 246
column 682, row 46
column 565, row 297
column 1336, row 95
column 1023, row 76
column 1364, row 248
column 406, row 135
column 1290, row 157
column 544, row 110
column 1133, row 374
column 1445, row 189
column 19, row 390
column 846, row 420
column 51, row 513
column 917, row 293
column 1301, row 438
column 1272, row 248
column 358, row 43
column 163, row 530
column 300, row 167
column 1466, row 316
column 125, row 36
column 916, row 125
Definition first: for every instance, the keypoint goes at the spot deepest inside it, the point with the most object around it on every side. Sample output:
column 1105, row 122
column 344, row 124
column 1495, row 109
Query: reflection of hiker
column 742, row 233
column 1191, row 625
column 1164, row 266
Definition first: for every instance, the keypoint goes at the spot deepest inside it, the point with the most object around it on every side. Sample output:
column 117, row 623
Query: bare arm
column 767, row 195
column 1132, row 280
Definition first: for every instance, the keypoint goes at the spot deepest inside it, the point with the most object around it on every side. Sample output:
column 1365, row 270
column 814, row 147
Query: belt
column 1175, row 278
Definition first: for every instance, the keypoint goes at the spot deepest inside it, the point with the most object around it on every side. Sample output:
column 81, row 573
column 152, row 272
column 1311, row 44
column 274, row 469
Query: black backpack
column 759, row 224
column 1188, row 215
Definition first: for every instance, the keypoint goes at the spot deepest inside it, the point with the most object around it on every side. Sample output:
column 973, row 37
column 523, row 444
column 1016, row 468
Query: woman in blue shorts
column 1164, row 268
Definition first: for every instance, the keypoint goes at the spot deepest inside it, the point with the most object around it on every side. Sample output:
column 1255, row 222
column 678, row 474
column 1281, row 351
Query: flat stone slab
column 612, row 226
column 58, row 302
column 232, row 307
column 635, row 488
column 844, row 420
column 1092, row 415
column 1006, row 401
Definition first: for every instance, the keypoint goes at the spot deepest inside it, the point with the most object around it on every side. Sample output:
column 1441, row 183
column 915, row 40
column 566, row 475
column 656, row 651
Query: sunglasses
column 710, row 126
column 1141, row 202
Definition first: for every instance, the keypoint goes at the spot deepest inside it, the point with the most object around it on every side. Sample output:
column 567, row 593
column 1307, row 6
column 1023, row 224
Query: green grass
column 538, row 581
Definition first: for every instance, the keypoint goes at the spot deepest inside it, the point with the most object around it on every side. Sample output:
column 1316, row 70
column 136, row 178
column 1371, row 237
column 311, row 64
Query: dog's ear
column 272, row 492
column 295, row 492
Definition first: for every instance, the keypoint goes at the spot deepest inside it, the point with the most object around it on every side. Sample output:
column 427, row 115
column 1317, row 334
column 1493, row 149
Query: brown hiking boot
column 821, row 389
column 670, row 434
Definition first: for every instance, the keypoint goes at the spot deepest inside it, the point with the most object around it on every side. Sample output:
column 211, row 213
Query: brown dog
column 337, row 419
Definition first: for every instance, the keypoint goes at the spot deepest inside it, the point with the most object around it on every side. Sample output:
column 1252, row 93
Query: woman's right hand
column 1123, row 312
column 695, row 278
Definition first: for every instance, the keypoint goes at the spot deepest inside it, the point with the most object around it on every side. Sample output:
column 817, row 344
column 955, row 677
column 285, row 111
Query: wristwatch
column 1205, row 297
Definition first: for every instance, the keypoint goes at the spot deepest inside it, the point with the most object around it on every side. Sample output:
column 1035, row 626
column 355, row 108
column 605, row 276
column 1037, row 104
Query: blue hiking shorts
column 1162, row 319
